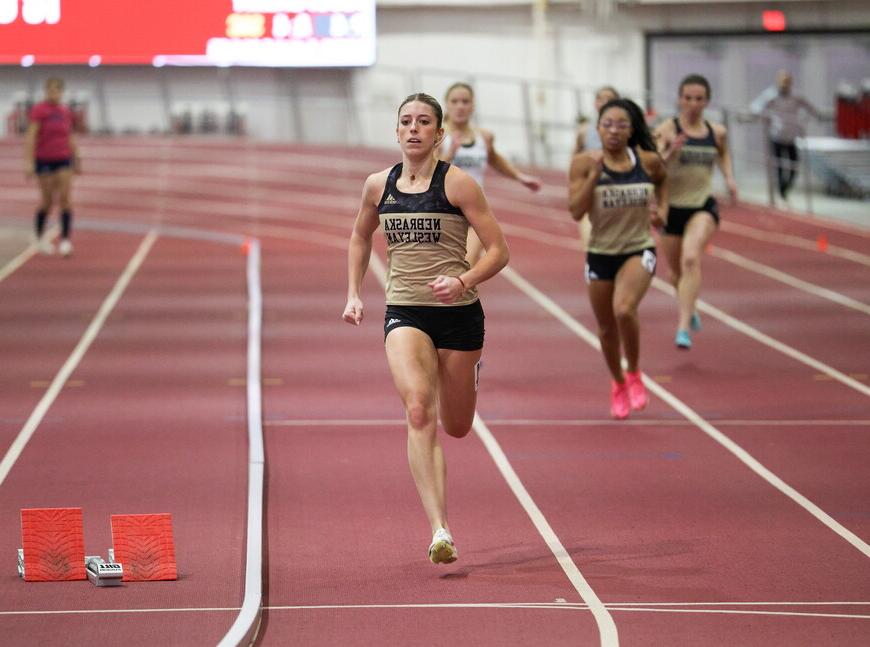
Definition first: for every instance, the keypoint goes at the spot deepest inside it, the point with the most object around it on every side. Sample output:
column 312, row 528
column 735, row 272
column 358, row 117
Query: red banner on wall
column 188, row 32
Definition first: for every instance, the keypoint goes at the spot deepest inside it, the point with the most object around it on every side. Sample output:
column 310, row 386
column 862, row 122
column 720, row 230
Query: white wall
column 498, row 47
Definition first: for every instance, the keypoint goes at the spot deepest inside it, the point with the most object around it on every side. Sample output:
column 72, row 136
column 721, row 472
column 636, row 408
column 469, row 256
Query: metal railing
column 535, row 121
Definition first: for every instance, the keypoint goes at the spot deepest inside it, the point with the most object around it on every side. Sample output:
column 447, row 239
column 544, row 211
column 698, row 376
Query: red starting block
column 143, row 544
column 53, row 548
column 53, row 545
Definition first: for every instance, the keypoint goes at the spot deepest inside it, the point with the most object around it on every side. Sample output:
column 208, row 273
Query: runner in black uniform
column 615, row 187
column 588, row 139
column 434, row 322
column 690, row 147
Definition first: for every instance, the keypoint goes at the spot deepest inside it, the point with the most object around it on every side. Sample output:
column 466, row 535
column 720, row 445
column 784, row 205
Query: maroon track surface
column 681, row 541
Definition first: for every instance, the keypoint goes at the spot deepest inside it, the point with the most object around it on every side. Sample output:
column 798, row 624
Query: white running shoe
column 65, row 248
column 442, row 550
column 45, row 246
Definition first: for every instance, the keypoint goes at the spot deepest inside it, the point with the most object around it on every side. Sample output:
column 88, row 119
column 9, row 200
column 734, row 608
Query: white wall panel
column 494, row 46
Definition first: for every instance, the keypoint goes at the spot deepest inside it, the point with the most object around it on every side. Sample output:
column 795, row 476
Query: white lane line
column 807, row 219
column 744, row 612
column 690, row 607
column 374, row 422
column 790, row 240
column 581, row 607
column 556, row 215
column 719, row 252
column 746, row 264
column 70, row 612
column 606, row 626
column 562, row 607
column 728, row 320
column 296, row 162
column 555, row 422
column 247, row 624
column 530, row 233
column 17, row 262
column 767, row 340
column 670, row 422
column 788, row 279
column 816, row 603
column 28, row 253
column 745, row 457
column 75, row 357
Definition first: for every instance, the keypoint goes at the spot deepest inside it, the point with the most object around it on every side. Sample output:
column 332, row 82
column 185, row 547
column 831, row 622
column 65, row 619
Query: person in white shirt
column 472, row 149
column 781, row 110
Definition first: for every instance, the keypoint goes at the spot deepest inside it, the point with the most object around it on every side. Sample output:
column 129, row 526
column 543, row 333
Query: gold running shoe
column 442, row 550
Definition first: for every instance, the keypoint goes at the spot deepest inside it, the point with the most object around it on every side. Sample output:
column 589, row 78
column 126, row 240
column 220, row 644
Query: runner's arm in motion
column 447, row 153
column 465, row 193
column 724, row 160
column 585, row 170
column 655, row 168
column 668, row 141
column 503, row 166
column 359, row 250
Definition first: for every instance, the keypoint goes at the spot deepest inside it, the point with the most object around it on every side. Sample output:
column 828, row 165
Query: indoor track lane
column 747, row 496
column 661, row 512
column 345, row 526
column 643, row 509
column 156, row 424
column 46, row 308
column 751, row 381
column 807, row 322
column 656, row 513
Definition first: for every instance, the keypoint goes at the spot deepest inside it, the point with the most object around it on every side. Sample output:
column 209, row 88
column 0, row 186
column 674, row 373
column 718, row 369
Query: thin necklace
column 414, row 177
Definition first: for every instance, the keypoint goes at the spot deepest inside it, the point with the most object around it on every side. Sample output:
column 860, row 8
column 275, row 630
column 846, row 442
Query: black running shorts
column 45, row 167
column 678, row 217
column 450, row 327
column 603, row 267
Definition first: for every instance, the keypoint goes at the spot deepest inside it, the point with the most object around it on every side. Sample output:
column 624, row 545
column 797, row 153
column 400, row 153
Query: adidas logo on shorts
column 590, row 274
column 390, row 199
column 648, row 261
column 393, row 322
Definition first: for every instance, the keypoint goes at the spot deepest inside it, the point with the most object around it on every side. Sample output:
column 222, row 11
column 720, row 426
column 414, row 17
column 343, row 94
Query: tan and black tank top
column 690, row 174
column 620, row 214
column 426, row 236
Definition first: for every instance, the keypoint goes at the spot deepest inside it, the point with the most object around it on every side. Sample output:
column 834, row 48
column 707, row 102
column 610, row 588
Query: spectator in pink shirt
column 51, row 154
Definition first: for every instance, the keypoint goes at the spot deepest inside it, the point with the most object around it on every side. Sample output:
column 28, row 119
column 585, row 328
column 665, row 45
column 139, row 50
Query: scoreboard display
column 275, row 33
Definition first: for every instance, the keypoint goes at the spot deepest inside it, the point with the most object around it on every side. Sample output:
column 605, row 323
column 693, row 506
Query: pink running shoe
column 619, row 405
column 636, row 390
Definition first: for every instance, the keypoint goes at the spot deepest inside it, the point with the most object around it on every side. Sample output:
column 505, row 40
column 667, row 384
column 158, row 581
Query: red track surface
column 672, row 532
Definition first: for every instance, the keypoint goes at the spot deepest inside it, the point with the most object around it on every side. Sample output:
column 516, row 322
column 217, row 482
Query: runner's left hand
column 446, row 288
column 530, row 182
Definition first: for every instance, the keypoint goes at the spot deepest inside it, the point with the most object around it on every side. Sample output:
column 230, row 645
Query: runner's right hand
column 353, row 311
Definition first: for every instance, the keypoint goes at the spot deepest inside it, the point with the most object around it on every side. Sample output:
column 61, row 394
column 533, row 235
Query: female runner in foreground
column 433, row 325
